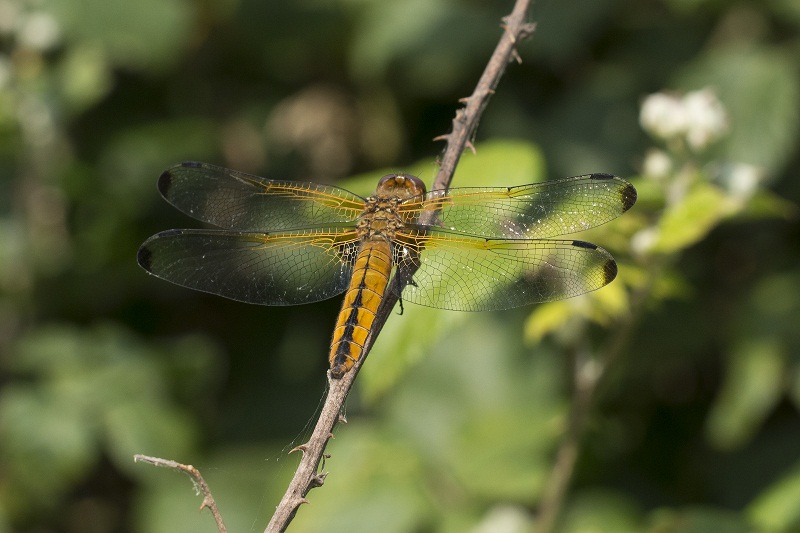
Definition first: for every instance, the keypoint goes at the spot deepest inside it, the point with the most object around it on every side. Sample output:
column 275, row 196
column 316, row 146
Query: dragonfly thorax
column 380, row 219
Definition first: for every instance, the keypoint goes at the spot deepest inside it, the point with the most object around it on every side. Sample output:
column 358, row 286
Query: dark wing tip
column 629, row 196
column 609, row 267
column 145, row 257
column 145, row 254
column 628, row 193
column 609, row 271
column 165, row 182
column 166, row 179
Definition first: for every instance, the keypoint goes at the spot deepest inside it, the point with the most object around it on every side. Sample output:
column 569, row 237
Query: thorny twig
column 199, row 483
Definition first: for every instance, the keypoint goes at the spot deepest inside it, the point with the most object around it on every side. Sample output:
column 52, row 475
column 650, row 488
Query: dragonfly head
column 403, row 186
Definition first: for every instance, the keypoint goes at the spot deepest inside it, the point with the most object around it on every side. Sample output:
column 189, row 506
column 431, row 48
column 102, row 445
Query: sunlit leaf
column 751, row 390
column 546, row 319
column 692, row 218
column 776, row 509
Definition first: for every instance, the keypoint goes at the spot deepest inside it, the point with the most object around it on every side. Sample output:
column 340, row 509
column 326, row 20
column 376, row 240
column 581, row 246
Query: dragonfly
column 465, row 249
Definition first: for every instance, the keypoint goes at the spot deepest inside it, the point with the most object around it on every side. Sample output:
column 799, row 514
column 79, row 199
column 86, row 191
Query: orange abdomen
column 367, row 286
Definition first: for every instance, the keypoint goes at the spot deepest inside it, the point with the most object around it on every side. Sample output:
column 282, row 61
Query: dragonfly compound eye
column 400, row 185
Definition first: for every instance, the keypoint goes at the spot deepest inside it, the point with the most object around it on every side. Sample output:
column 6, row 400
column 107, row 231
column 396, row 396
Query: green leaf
column 600, row 306
column 147, row 34
column 751, row 390
column 403, row 342
column 48, row 443
column 87, row 390
column 776, row 508
column 500, row 163
column 86, row 77
column 690, row 220
column 546, row 319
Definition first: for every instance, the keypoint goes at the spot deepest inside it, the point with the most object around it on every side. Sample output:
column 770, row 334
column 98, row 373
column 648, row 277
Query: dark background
column 455, row 421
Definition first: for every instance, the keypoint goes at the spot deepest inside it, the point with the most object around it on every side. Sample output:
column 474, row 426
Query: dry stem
column 199, row 483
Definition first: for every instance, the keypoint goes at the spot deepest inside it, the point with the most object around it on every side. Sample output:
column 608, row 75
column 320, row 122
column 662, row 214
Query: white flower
column 663, row 116
column 742, row 180
column 707, row 119
column 643, row 241
column 39, row 31
column 698, row 118
column 657, row 164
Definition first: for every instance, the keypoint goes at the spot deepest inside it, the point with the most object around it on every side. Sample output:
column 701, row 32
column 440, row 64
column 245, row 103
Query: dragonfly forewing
column 239, row 201
column 539, row 210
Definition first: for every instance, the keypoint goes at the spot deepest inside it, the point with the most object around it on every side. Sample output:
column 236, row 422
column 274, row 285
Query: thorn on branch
column 527, row 30
column 302, row 447
column 508, row 31
column 206, row 503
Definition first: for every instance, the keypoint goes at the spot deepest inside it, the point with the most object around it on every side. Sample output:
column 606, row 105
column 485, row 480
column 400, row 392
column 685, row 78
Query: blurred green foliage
column 456, row 418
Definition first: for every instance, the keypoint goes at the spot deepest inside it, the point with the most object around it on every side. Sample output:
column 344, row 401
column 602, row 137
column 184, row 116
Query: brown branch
column 199, row 483
column 466, row 120
column 465, row 123
column 307, row 475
